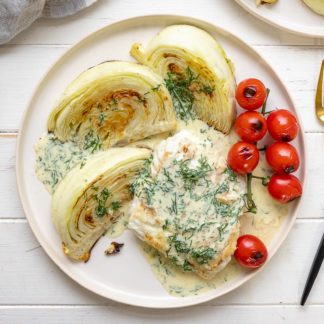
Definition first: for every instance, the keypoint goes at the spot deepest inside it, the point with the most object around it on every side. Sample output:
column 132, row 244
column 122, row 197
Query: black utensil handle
column 313, row 271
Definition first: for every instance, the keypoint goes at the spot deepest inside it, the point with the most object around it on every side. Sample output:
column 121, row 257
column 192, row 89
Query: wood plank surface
column 225, row 13
column 231, row 314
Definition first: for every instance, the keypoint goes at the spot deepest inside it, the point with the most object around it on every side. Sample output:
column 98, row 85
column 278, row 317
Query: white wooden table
column 34, row 290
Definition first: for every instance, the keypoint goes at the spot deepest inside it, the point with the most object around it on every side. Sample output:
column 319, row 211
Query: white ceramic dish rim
column 129, row 300
column 307, row 32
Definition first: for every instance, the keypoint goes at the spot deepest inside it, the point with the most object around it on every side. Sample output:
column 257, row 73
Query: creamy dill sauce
column 120, row 224
column 270, row 213
column 55, row 159
column 182, row 284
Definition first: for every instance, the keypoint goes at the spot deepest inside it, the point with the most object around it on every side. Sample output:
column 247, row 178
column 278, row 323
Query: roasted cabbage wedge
column 197, row 73
column 112, row 103
column 87, row 200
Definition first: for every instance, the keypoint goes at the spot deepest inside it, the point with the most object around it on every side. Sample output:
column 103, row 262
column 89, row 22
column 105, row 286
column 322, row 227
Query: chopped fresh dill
column 203, row 131
column 174, row 206
column 207, row 89
column 186, row 266
column 203, row 255
column 55, row 177
column 226, row 210
column 144, row 186
column 92, row 142
column 83, row 163
column 114, row 101
column 168, row 177
column 192, row 175
column 182, row 96
column 157, row 88
column 231, row 174
column 101, row 118
column 176, row 289
column 179, row 245
column 141, row 100
column 223, row 187
column 221, row 230
column 101, row 198
column 165, row 225
column 196, row 289
column 153, row 89
column 115, row 205
column 177, row 204
column 205, row 225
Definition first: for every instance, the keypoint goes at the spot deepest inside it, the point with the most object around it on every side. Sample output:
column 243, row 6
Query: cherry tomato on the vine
column 284, row 187
column 250, row 251
column 251, row 94
column 243, row 157
column 251, row 126
column 282, row 157
column 282, row 125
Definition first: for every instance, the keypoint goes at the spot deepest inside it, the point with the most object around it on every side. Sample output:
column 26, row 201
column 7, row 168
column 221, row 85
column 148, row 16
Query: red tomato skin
column 284, row 187
column 251, row 94
column 243, row 157
column 250, row 251
column 282, row 157
column 282, row 125
column 251, row 126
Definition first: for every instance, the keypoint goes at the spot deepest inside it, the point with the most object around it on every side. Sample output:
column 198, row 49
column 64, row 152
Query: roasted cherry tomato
column 282, row 125
column 251, row 126
column 282, row 157
column 284, row 187
column 243, row 157
column 250, row 251
column 251, row 94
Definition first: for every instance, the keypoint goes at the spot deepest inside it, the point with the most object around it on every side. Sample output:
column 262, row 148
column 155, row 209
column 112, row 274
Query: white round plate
column 126, row 277
column 290, row 15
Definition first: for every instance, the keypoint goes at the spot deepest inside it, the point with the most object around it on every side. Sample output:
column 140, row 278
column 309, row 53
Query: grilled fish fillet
column 187, row 203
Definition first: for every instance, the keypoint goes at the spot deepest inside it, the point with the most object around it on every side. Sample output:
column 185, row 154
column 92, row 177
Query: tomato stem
column 263, row 110
column 262, row 148
column 250, row 204
column 265, row 180
column 269, row 112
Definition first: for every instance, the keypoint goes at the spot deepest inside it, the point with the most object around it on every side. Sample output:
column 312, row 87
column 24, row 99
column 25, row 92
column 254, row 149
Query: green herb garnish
column 207, row 89
column 203, row 255
column 231, row 174
column 92, row 142
column 179, row 245
column 192, row 175
column 115, row 205
column 101, row 198
column 182, row 96
column 144, row 186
